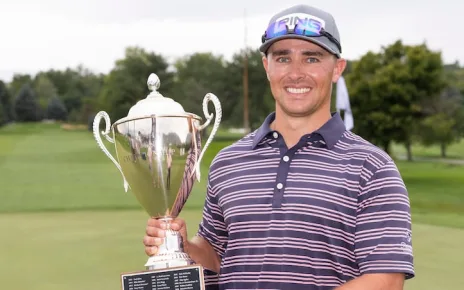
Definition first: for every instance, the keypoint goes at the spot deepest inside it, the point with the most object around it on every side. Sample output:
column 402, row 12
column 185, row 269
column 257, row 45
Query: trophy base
column 168, row 260
column 176, row 278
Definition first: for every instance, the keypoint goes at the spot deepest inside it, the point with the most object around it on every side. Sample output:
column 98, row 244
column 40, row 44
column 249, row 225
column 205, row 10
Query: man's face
column 301, row 74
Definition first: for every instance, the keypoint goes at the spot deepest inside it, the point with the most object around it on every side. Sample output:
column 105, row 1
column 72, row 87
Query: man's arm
column 390, row 281
column 383, row 245
column 208, row 245
column 201, row 251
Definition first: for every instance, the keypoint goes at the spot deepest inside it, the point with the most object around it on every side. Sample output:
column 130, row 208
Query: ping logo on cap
column 309, row 20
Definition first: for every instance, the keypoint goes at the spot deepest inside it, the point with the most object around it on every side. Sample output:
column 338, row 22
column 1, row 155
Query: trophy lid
column 155, row 103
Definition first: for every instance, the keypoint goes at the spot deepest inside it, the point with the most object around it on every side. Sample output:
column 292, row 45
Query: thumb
column 177, row 224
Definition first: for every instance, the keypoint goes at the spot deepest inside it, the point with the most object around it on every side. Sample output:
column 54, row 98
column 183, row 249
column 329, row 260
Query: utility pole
column 246, row 120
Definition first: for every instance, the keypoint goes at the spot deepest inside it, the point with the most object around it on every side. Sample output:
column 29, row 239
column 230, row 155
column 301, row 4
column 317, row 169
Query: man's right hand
column 155, row 233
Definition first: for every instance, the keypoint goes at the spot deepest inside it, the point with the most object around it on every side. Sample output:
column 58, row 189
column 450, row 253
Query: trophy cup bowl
column 158, row 150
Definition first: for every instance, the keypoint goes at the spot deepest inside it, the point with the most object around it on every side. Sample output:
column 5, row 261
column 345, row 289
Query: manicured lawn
column 455, row 150
column 90, row 249
column 67, row 223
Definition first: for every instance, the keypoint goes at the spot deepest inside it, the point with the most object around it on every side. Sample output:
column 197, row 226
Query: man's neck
column 293, row 128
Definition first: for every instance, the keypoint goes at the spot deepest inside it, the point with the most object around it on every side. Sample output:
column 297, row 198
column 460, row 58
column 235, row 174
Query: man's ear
column 265, row 65
column 340, row 66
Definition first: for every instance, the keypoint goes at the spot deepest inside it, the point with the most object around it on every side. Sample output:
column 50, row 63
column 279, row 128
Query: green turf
column 46, row 168
column 439, row 256
column 436, row 192
column 68, row 224
column 89, row 250
column 455, row 150
column 72, row 250
column 49, row 169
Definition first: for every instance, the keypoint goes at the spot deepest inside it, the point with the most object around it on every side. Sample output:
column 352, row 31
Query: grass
column 67, row 171
column 47, row 169
column 68, row 223
column 455, row 150
column 438, row 258
column 436, row 191
column 89, row 250
column 72, row 250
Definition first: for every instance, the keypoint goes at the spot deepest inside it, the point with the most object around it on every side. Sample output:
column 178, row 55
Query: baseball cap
column 303, row 22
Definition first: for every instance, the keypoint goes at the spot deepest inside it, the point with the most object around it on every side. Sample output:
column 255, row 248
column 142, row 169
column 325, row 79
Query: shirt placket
column 286, row 156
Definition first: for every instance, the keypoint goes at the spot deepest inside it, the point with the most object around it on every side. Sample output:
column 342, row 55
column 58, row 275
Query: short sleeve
column 383, row 238
column 213, row 229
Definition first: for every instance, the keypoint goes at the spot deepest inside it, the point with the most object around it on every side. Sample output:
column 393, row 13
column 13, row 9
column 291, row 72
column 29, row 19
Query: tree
column 200, row 73
column 388, row 89
column 45, row 90
column 261, row 101
column 26, row 105
column 444, row 123
column 127, row 82
column 454, row 75
column 2, row 115
column 438, row 128
column 6, row 111
column 373, row 122
column 196, row 75
column 56, row 110
column 18, row 81
column 78, row 88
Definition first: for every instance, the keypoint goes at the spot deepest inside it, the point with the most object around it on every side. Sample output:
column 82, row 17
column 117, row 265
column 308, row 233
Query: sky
column 56, row 34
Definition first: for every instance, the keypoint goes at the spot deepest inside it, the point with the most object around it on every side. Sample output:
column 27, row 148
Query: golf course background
column 66, row 222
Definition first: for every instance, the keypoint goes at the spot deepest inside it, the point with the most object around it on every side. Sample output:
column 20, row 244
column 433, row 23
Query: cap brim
column 321, row 41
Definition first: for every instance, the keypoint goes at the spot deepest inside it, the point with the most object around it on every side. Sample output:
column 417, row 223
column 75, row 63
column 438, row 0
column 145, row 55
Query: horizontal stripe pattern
column 341, row 212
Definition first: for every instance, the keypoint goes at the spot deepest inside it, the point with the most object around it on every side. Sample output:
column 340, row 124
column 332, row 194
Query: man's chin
column 298, row 112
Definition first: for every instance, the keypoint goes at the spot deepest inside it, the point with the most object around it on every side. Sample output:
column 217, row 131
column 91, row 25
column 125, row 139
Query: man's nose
column 296, row 72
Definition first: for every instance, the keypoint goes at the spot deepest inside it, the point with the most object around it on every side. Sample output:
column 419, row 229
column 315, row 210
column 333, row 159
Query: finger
column 151, row 251
column 155, row 232
column 153, row 222
column 177, row 224
column 151, row 241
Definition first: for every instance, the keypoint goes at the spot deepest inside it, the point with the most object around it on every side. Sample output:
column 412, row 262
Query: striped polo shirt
column 313, row 216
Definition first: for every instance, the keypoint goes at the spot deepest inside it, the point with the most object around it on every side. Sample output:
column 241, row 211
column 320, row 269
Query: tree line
column 403, row 93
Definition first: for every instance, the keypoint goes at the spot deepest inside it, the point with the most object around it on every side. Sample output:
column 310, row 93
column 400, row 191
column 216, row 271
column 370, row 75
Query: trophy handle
column 209, row 117
column 96, row 125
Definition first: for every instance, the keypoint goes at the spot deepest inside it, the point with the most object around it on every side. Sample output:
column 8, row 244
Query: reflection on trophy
column 158, row 151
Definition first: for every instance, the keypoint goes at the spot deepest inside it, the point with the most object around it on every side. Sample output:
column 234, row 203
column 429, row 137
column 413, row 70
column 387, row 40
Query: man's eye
column 313, row 60
column 283, row 59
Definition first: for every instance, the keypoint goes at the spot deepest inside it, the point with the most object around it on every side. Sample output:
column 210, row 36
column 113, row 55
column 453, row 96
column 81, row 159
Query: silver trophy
column 158, row 152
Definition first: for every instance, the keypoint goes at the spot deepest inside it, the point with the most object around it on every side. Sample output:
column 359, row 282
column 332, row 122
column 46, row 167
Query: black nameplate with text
column 168, row 279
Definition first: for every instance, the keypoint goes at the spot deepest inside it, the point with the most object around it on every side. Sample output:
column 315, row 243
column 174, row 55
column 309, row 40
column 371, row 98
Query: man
column 302, row 203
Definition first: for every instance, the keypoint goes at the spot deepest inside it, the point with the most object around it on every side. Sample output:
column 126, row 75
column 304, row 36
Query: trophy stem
column 171, row 252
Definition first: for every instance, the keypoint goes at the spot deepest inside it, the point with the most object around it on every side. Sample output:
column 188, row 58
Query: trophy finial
column 155, row 102
column 153, row 82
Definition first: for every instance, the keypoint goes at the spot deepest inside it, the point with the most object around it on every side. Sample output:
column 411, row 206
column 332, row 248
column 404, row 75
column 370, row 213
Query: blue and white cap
column 315, row 25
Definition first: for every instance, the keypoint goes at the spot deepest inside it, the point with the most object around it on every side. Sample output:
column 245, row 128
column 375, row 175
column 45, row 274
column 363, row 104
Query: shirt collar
column 331, row 131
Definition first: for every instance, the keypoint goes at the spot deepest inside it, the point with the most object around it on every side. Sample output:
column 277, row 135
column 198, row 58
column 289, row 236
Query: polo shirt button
column 275, row 135
column 286, row 158
column 279, row 185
